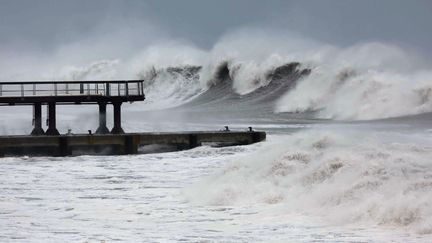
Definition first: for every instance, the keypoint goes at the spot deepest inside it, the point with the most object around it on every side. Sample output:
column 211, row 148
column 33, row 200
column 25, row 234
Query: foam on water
column 319, row 184
column 368, row 80
column 345, row 177
column 142, row 198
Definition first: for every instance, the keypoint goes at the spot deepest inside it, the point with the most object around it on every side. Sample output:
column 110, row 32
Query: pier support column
column 37, row 119
column 130, row 145
column 102, row 129
column 52, row 130
column 117, row 129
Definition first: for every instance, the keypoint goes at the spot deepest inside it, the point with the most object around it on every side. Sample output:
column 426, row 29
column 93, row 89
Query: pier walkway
column 55, row 93
column 104, row 141
column 118, row 144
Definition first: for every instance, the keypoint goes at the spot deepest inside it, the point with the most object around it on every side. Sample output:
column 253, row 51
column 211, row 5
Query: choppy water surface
column 349, row 158
column 324, row 174
column 143, row 198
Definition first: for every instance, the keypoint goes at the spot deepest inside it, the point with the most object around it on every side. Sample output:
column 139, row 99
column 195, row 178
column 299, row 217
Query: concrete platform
column 54, row 93
column 120, row 144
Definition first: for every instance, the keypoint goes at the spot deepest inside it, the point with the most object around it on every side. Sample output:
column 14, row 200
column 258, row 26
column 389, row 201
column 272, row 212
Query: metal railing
column 72, row 88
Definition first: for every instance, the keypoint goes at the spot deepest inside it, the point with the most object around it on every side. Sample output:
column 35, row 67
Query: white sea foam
column 367, row 81
column 139, row 198
column 345, row 177
column 364, row 81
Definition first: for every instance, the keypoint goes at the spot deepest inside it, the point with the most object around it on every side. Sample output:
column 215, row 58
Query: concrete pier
column 119, row 144
column 37, row 120
column 114, row 142
column 102, row 129
column 52, row 127
column 54, row 93
column 117, row 129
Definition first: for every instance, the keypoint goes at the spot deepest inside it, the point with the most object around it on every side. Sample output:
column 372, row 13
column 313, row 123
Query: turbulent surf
column 349, row 128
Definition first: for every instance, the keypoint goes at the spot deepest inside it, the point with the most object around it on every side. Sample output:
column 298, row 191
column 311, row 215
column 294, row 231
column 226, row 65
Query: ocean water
column 316, row 184
column 348, row 156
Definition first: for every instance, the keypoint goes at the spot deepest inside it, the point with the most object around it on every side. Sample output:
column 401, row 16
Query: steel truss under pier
column 54, row 93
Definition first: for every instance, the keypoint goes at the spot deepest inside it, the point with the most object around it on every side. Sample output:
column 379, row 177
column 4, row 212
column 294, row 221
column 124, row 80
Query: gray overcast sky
column 46, row 24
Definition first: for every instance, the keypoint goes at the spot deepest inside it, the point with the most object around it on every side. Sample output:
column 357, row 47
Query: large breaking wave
column 342, row 176
column 345, row 177
column 250, row 71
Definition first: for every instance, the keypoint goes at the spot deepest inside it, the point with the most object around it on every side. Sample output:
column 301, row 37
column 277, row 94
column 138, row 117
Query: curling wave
column 361, row 82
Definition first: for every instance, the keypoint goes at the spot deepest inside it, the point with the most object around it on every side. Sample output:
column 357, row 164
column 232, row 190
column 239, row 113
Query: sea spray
column 348, row 94
column 346, row 177
column 368, row 80
column 365, row 81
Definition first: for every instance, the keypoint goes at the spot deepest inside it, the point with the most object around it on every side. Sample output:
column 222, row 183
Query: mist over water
column 369, row 80
column 351, row 168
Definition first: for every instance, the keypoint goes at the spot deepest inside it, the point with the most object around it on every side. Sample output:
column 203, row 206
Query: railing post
column 55, row 89
column 127, row 89
column 140, row 88
column 107, row 88
column 34, row 89
column 22, row 90
column 1, row 90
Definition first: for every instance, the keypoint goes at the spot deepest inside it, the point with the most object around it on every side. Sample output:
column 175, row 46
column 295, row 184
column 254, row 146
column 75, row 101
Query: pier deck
column 118, row 144
column 53, row 93
column 104, row 141
column 70, row 92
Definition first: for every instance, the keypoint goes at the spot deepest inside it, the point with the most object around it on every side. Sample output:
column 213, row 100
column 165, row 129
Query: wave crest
column 360, row 82
column 343, row 177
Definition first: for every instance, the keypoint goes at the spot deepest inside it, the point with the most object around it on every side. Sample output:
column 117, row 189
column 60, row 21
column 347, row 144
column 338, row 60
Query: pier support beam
column 117, row 129
column 102, row 129
column 52, row 130
column 130, row 146
column 37, row 120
